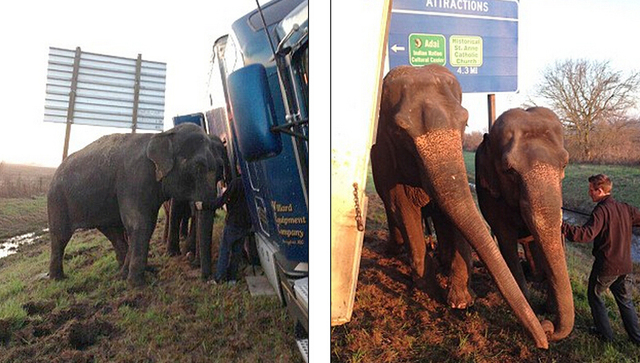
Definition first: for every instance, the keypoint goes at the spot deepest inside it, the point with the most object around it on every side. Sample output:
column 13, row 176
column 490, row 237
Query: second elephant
column 519, row 171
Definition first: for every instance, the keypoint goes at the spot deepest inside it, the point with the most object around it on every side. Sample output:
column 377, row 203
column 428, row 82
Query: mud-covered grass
column 93, row 316
column 393, row 322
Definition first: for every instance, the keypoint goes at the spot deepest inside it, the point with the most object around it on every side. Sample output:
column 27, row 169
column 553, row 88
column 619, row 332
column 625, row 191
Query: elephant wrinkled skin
column 519, row 171
column 417, row 159
column 117, row 185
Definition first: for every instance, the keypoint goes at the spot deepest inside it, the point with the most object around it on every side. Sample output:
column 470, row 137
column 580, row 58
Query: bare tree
column 471, row 141
column 585, row 94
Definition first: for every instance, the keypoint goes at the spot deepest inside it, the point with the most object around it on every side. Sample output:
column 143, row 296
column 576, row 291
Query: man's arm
column 588, row 231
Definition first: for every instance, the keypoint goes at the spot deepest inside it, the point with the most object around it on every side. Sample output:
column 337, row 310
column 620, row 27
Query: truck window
column 301, row 69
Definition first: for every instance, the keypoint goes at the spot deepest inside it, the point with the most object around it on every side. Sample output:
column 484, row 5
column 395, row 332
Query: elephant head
column 189, row 164
column 421, row 123
column 519, row 171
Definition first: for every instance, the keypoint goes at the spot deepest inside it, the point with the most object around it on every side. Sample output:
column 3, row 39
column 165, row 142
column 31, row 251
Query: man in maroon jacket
column 609, row 226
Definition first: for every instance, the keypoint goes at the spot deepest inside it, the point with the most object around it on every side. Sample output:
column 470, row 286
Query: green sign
column 427, row 49
column 465, row 51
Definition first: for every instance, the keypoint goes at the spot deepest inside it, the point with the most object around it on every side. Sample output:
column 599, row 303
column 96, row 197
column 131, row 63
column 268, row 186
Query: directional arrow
column 395, row 48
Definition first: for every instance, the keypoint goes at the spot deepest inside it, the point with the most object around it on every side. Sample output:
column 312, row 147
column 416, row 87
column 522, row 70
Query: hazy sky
column 181, row 34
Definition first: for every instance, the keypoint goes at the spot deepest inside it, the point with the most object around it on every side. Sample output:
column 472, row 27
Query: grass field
column 93, row 316
column 626, row 182
column 19, row 181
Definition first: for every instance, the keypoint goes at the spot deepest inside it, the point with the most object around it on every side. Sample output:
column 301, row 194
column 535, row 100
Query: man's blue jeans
column 621, row 288
column 230, row 252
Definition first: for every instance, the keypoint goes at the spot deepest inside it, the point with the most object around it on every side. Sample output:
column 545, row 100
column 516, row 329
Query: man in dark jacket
column 237, row 227
column 610, row 228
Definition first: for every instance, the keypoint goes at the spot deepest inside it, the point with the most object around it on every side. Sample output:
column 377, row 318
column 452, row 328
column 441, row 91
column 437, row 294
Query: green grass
column 175, row 317
column 626, row 182
column 22, row 215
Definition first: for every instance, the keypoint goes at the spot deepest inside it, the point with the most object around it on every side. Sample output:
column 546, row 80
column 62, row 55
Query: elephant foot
column 124, row 272
column 173, row 253
column 458, row 298
column 57, row 276
column 135, row 282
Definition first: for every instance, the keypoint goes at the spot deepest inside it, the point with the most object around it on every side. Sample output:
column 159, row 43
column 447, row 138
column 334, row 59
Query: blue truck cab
column 194, row 118
column 258, row 105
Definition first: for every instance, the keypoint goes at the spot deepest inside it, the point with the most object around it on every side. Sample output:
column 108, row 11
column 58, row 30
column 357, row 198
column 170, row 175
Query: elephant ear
column 486, row 176
column 160, row 151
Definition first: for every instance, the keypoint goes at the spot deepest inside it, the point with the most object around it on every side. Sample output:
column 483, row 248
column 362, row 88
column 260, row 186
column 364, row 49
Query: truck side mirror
column 253, row 113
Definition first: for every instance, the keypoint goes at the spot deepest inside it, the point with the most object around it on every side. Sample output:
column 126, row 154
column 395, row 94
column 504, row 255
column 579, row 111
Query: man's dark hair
column 601, row 181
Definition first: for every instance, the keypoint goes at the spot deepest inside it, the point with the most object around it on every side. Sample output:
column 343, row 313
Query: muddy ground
column 394, row 322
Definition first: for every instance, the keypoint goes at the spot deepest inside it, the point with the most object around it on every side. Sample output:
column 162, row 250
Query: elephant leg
column 191, row 245
column 204, row 235
column 455, row 256
column 395, row 242
column 533, row 255
column 166, row 206
column 384, row 180
column 409, row 224
column 118, row 239
column 139, row 225
column 184, row 226
column 508, row 243
column 175, row 219
column 59, row 239
column 428, row 226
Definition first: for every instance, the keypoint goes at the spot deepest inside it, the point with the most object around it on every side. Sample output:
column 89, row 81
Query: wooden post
column 136, row 94
column 491, row 107
column 72, row 102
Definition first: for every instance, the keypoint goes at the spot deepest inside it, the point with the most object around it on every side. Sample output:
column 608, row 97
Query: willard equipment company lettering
column 286, row 223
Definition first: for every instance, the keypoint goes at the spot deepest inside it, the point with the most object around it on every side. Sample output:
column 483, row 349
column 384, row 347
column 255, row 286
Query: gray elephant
column 117, row 185
column 416, row 160
column 519, row 171
column 184, row 218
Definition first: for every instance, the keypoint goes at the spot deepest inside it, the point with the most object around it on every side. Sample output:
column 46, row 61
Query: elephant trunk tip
column 553, row 334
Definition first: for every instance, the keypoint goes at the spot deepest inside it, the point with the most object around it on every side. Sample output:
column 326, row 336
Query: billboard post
column 72, row 102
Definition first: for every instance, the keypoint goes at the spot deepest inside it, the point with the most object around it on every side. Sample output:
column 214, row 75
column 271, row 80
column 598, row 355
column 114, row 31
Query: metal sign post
column 491, row 107
column 136, row 94
column 72, row 101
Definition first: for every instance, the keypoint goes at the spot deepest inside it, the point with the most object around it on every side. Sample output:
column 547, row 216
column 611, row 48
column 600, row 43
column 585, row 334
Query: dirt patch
column 59, row 335
column 394, row 321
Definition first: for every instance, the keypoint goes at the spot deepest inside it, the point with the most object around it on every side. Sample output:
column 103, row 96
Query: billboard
column 100, row 90
column 476, row 39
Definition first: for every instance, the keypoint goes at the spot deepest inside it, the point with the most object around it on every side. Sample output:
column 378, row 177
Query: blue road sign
column 475, row 39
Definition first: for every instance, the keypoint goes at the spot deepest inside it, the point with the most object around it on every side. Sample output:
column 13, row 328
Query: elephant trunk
column 541, row 208
column 445, row 178
column 204, row 231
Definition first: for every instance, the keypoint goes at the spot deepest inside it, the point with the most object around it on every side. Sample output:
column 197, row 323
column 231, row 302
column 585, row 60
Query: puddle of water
column 10, row 246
